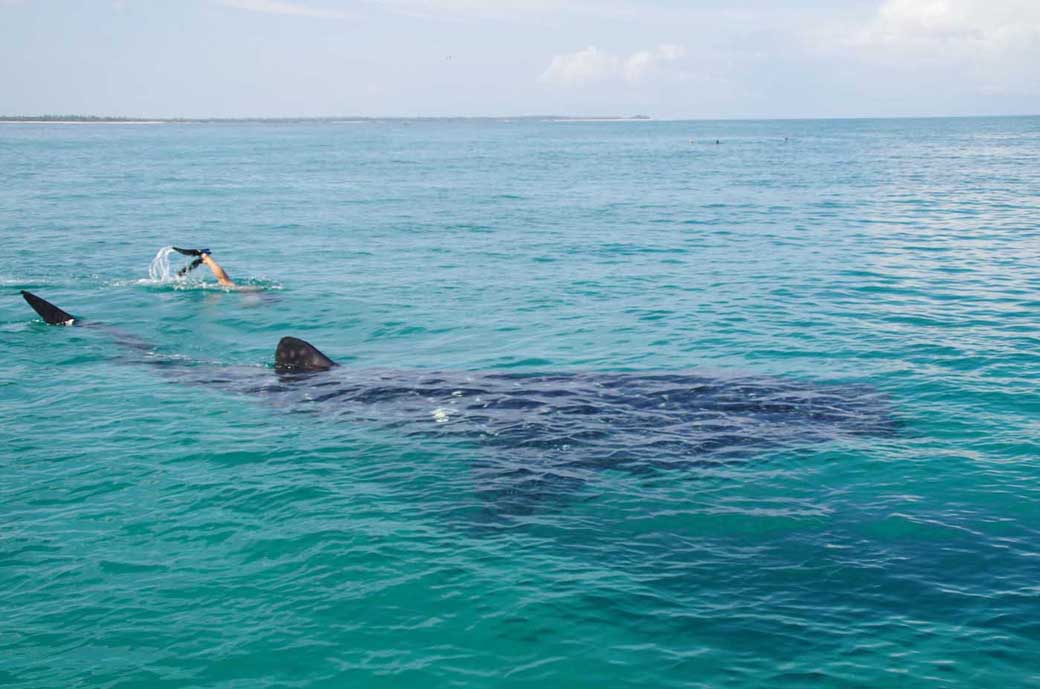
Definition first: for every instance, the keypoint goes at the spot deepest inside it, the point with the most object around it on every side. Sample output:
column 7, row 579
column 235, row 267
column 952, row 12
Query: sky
column 410, row 58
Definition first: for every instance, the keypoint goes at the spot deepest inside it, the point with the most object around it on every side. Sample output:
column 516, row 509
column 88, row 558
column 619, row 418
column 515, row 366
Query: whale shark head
column 294, row 354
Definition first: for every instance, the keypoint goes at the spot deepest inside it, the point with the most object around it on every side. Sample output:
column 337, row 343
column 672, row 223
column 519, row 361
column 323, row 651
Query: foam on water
column 159, row 270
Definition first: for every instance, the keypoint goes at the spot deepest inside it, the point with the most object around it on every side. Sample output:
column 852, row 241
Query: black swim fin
column 294, row 354
column 190, row 267
column 50, row 313
column 187, row 252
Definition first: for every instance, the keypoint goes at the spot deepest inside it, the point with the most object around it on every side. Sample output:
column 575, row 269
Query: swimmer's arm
column 222, row 276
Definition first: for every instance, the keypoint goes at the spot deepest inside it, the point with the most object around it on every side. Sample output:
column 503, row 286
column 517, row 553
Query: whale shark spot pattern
column 294, row 354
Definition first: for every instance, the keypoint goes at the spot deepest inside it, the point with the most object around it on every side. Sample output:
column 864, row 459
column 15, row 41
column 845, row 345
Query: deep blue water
column 178, row 515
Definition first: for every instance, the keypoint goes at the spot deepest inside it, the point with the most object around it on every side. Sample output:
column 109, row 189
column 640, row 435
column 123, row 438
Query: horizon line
column 86, row 119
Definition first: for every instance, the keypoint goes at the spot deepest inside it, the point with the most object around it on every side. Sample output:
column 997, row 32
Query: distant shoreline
column 19, row 121
column 86, row 119
column 90, row 119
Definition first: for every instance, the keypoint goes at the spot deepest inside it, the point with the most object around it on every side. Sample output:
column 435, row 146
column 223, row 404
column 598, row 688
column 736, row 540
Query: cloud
column 643, row 64
column 479, row 5
column 926, row 25
column 285, row 8
column 918, row 22
column 592, row 65
column 993, row 44
column 584, row 66
column 506, row 9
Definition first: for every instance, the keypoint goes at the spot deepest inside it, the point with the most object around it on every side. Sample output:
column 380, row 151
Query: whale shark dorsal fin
column 50, row 313
column 294, row 354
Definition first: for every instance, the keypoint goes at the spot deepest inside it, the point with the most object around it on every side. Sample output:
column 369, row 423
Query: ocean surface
column 658, row 320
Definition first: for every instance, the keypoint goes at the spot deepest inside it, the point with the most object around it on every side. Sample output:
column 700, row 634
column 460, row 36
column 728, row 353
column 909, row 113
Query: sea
column 163, row 526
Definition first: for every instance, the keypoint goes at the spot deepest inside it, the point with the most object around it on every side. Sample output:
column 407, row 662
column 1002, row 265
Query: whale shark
column 540, row 436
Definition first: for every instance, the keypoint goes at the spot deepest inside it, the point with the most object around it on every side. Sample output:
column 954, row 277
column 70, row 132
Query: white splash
column 159, row 270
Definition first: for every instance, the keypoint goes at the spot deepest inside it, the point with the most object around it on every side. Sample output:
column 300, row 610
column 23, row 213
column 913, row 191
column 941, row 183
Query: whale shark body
column 539, row 435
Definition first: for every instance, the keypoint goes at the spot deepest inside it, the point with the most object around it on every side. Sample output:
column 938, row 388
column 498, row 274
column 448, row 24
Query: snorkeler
column 205, row 256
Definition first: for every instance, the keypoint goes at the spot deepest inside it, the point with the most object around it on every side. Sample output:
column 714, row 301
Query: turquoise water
column 178, row 517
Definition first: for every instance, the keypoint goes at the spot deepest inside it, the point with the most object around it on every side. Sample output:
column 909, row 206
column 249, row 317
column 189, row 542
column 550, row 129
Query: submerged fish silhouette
column 541, row 434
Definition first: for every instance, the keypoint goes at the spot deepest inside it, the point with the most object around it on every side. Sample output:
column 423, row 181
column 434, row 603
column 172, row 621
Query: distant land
column 95, row 119
column 357, row 119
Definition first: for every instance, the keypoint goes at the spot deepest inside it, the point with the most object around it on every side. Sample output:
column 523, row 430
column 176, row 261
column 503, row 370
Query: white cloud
column 286, row 8
column 479, row 5
column 592, row 65
column 503, row 9
column 993, row 44
column 952, row 24
column 584, row 66
column 643, row 64
column 910, row 22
